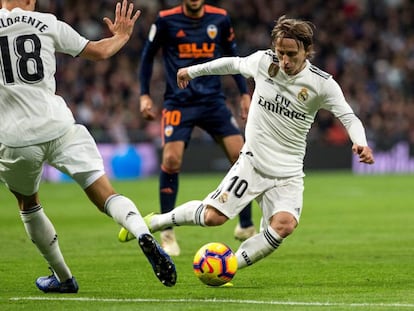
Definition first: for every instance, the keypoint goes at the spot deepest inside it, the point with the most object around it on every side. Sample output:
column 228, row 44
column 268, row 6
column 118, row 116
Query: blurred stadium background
column 367, row 45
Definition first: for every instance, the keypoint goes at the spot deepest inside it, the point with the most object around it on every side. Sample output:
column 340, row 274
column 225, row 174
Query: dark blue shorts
column 178, row 122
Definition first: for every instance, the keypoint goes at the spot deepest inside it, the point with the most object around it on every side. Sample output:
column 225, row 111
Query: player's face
column 291, row 56
column 193, row 6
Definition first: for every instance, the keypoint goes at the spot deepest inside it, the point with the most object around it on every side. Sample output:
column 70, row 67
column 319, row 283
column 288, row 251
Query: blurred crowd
column 367, row 45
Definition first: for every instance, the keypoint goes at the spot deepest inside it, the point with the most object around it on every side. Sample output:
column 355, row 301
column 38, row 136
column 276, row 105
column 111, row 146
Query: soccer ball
column 215, row 264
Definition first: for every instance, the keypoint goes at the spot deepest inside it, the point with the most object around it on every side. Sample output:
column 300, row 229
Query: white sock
column 257, row 247
column 42, row 233
column 125, row 213
column 190, row 213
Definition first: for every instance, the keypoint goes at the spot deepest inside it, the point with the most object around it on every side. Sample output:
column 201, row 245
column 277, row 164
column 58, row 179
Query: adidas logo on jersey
column 180, row 34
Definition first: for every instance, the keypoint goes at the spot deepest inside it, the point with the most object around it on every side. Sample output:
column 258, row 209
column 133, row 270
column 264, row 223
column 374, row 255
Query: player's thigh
column 77, row 155
column 232, row 145
column 21, row 168
column 285, row 196
column 241, row 185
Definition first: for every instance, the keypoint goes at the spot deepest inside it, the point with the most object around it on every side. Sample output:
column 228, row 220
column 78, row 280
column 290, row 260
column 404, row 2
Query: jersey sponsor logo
column 303, row 95
column 281, row 107
column 212, row 31
column 193, row 50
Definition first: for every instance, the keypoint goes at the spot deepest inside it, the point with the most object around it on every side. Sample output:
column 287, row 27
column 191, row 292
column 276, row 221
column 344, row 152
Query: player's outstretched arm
column 364, row 153
column 121, row 29
column 183, row 78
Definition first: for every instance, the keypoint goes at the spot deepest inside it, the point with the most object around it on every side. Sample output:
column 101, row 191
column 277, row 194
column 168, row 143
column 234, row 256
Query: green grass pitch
column 353, row 250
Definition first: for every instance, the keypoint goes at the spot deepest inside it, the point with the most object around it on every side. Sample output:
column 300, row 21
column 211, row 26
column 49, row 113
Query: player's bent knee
column 284, row 224
column 213, row 217
column 216, row 221
column 284, row 230
column 171, row 163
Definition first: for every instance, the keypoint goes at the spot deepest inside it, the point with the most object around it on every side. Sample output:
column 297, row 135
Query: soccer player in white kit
column 36, row 126
column 289, row 91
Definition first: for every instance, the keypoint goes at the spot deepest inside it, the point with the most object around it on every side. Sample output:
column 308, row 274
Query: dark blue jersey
column 187, row 41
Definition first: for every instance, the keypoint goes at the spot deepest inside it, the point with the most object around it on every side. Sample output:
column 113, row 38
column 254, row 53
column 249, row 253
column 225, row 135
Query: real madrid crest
column 303, row 95
column 273, row 70
column 212, row 31
column 223, row 198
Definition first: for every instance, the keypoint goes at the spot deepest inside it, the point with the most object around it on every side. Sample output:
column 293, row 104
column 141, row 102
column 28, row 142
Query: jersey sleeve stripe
column 319, row 72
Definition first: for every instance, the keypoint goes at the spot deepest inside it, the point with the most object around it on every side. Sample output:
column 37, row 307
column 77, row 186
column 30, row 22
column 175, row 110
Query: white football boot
column 169, row 242
column 242, row 234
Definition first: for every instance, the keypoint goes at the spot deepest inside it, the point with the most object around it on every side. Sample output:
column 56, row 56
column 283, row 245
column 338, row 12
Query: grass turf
column 353, row 250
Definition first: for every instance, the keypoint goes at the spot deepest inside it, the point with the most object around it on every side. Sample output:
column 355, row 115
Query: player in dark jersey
column 189, row 34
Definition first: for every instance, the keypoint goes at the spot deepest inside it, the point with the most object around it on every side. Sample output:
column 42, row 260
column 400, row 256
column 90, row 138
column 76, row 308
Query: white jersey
column 30, row 112
column 283, row 109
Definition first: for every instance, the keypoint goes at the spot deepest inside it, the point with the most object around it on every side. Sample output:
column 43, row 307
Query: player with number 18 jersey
column 28, row 66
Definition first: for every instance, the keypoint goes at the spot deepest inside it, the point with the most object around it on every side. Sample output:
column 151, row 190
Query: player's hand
column 124, row 20
column 146, row 107
column 364, row 153
column 183, row 78
column 245, row 101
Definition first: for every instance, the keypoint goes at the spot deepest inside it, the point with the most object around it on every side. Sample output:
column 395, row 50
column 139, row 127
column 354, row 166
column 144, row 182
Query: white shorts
column 243, row 183
column 75, row 153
